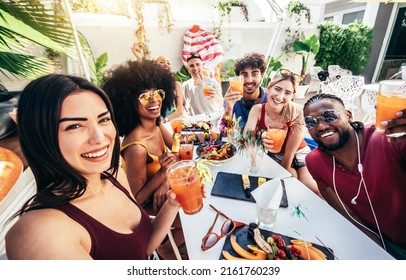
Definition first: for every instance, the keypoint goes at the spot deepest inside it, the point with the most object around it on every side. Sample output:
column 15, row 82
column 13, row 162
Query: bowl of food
column 216, row 151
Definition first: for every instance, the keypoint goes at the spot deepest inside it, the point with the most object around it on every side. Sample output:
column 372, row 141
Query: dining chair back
column 314, row 84
column 348, row 88
column 336, row 72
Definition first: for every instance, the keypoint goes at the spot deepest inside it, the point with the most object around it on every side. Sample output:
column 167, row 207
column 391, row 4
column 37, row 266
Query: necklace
column 269, row 114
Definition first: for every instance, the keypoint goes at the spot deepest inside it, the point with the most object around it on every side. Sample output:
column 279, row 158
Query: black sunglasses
column 286, row 72
column 193, row 55
column 327, row 116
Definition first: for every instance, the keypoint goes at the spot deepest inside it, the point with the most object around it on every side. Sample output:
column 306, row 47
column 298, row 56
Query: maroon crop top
column 108, row 244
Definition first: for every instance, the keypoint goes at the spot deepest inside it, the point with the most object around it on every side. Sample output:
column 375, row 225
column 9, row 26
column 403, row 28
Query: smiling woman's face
column 280, row 94
column 86, row 133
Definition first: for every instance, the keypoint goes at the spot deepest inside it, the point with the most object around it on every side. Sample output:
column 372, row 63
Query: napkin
column 269, row 195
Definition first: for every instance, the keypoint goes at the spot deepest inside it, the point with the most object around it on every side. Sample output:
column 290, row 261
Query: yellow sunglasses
column 146, row 96
column 286, row 72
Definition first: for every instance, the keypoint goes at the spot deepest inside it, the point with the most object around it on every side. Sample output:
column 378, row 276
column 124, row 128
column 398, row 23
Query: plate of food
column 216, row 151
column 250, row 242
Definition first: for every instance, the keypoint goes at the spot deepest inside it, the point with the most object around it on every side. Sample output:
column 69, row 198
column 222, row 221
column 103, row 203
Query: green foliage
column 29, row 23
column 97, row 65
column 100, row 65
column 296, row 7
column 305, row 47
column 228, row 69
column 347, row 46
column 182, row 75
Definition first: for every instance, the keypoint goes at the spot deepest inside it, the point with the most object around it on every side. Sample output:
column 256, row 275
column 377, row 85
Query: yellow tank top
column 152, row 167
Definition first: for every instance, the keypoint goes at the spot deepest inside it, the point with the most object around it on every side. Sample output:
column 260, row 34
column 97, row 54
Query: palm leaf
column 48, row 21
column 25, row 24
column 28, row 66
column 20, row 30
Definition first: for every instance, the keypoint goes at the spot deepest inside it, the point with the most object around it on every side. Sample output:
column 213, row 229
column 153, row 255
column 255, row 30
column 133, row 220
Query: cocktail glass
column 237, row 83
column 185, row 182
column 278, row 135
column 391, row 99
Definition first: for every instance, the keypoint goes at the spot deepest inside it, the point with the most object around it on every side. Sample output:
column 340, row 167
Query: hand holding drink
column 185, row 181
column 391, row 99
column 207, row 88
column 237, row 84
column 277, row 135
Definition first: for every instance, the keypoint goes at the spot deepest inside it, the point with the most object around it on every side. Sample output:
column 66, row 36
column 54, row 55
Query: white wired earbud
column 360, row 169
column 353, row 200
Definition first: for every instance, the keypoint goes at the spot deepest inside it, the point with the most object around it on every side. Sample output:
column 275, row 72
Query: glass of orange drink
column 185, row 182
column 278, row 135
column 391, row 99
column 176, row 125
column 207, row 87
column 237, row 83
column 186, row 149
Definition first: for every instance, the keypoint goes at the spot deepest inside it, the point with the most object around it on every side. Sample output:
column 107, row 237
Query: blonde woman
column 177, row 110
column 281, row 110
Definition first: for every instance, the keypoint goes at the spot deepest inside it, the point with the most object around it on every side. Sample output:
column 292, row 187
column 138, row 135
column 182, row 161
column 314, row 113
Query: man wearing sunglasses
column 252, row 67
column 193, row 89
column 359, row 172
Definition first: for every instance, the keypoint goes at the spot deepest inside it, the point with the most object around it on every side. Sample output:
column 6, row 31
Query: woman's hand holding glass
column 266, row 141
column 167, row 159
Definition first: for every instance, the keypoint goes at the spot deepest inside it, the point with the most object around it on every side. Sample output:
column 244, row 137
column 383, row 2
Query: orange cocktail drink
column 184, row 180
column 391, row 99
column 387, row 107
column 176, row 125
column 278, row 136
column 207, row 87
column 186, row 150
column 237, row 84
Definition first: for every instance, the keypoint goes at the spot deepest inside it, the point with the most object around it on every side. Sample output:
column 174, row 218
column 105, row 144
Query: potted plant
column 298, row 9
column 305, row 47
column 224, row 8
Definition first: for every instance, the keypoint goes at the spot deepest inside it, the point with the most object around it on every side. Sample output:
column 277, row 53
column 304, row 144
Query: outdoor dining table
column 321, row 221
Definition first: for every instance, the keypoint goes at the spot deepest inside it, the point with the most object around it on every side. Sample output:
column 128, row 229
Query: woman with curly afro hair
column 141, row 92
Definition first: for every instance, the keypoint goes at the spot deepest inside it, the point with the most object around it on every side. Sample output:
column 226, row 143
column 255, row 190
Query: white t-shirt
column 198, row 103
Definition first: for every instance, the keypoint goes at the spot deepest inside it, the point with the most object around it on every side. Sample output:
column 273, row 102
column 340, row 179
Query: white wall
column 115, row 35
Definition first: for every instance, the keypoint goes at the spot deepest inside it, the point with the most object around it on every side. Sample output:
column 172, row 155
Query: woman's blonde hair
column 160, row 57
column 279, row 77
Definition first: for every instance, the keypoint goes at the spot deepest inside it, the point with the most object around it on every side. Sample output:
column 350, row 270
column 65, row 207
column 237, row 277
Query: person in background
column 195, row 101
column 281, row 110
column 69, row 138
column 141, row 92
column 360, row 172
column 252, row 67
column 176, row 110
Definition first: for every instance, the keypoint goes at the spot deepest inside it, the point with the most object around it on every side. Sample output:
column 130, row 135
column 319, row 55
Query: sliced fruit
column 300, row 242
column 230, row 257
column 255, row 248
column 214, row 135
column 176, row 143
column 309, row 254
column 245, row 254
column 261, row 242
